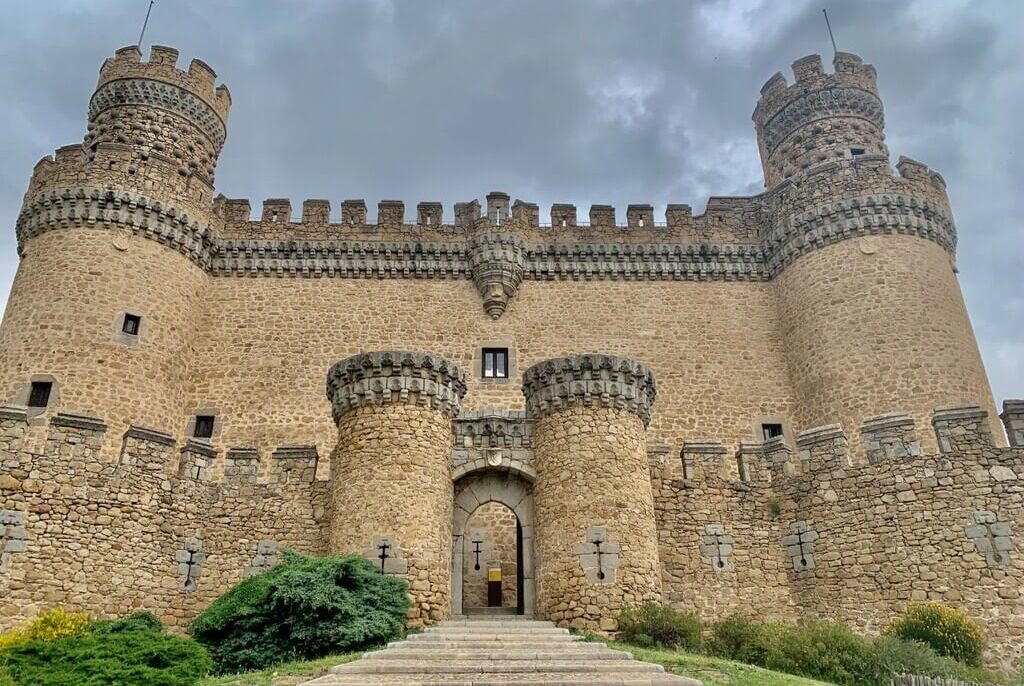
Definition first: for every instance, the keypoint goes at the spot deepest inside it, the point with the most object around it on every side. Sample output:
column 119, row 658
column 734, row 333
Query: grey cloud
column 569, row 101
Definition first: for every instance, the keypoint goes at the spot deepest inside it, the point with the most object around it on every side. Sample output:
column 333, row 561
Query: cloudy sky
column 584, row 101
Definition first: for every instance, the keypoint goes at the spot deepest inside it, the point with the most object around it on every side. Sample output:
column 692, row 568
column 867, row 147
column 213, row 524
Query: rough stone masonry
column 786, row 412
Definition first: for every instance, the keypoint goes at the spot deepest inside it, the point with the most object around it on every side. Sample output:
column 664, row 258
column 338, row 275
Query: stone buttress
column 595, row 539
column 391, row 473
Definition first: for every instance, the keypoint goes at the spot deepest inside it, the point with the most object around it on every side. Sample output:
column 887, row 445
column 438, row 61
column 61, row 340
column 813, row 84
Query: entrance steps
column 487, row 650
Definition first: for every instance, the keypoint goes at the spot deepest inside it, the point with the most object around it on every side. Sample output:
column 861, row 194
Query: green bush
column 948, row 630
column 658, row 625
column 730, row 636
column 302, row 609
column 891, row 656
column 130, row 652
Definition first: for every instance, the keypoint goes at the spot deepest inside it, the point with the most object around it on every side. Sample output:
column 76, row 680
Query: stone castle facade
column 789, row 414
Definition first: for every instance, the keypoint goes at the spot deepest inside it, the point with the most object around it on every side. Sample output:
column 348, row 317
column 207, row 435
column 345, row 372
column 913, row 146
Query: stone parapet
column 589, row 379
column 1013, row 419
column 890, row 436
column 381, row 378
column 961, row 426
column 823, row 447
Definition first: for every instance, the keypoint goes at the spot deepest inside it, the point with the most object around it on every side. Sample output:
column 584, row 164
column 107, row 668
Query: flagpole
column 145, row 23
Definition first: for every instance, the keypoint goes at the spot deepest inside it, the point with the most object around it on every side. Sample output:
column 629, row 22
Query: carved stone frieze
column 497, row 261
column 163, row 95
column 589, row 379
column 379, row 378
column 818, row 104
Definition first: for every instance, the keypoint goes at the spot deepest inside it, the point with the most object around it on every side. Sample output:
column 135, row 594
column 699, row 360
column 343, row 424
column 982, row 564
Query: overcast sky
column 588, row 101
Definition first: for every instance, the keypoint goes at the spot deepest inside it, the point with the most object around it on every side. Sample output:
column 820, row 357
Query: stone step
column 570, row 644
column 399, row 652
column 491, row 621
column 488, row 629
column 484, row 638
column 546, row 678
column 492, row 666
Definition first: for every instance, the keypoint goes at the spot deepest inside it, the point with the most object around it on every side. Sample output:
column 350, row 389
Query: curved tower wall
column 144, row 171
column 593, row 489
column 872, row 316
column 391, row 471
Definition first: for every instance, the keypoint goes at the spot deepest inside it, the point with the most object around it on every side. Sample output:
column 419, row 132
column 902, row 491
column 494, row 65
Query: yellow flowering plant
column 49, row 626
column 947, row 630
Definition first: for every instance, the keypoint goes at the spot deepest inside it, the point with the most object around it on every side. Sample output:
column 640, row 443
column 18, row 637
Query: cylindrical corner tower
column 868, row 299
column 391, row 471
column 113, row 237
column 595, row 539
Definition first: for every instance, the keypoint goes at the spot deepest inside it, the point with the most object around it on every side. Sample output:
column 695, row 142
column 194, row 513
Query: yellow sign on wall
column 494, row 574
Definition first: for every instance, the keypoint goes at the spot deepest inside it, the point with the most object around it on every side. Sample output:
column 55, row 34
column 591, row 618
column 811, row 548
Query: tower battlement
column 819, row 117
column 162, row 65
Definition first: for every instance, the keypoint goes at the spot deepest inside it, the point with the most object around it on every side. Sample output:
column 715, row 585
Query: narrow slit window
column 39, row 395
column 856, row 151
column 204, row 426
column 495, row 363
column 771, row 430
column 131, row 324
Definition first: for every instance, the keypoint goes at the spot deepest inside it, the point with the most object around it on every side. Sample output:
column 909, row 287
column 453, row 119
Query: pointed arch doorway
column 486, row 502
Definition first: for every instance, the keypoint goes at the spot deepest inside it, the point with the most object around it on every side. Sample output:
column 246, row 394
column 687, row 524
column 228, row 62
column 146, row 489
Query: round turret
column 868, row 301
column 114, row 235
column 820, row 118
column 157, row 124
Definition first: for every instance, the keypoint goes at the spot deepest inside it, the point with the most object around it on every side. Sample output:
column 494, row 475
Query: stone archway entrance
column 483, row 489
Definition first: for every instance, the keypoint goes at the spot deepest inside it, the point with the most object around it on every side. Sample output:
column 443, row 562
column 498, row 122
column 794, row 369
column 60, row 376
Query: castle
column 787, row 412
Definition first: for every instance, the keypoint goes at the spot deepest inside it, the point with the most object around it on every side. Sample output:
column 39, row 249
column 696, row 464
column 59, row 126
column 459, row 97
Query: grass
column 288, row 674
column 714, row 671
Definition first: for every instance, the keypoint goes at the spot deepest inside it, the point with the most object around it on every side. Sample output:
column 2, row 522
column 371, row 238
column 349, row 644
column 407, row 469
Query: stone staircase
column 495, row 651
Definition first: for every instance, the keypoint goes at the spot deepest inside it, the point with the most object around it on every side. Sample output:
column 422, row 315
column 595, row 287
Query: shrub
column 304, row 608
column 129, row 652
column 892, row 656
column 658, row 625
column 49, row 626
column 947, row 630
column 731, row 636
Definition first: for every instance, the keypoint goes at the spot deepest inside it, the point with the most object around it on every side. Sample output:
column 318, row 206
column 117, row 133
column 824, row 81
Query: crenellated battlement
column 80, row 441
column 891, row 442
column 162, row 65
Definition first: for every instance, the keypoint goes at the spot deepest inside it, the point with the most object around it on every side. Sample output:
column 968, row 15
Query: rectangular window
column 771, row 430
column 856, row 151
column 204, row 426
column 39, row 396
column 131, row 324
column 495, row 363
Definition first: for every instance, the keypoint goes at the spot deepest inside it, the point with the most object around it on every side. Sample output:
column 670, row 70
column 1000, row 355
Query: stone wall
column 111, row 536
column 836, row 536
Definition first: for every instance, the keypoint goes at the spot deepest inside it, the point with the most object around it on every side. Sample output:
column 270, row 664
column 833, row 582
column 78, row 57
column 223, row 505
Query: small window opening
column 563, row 223
column 495, row 363
column 771, row 430
column 204, row 426
column 39, row 395
column 131, row 324
column 430, row 220
column 856, row 151
column 641, row 222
